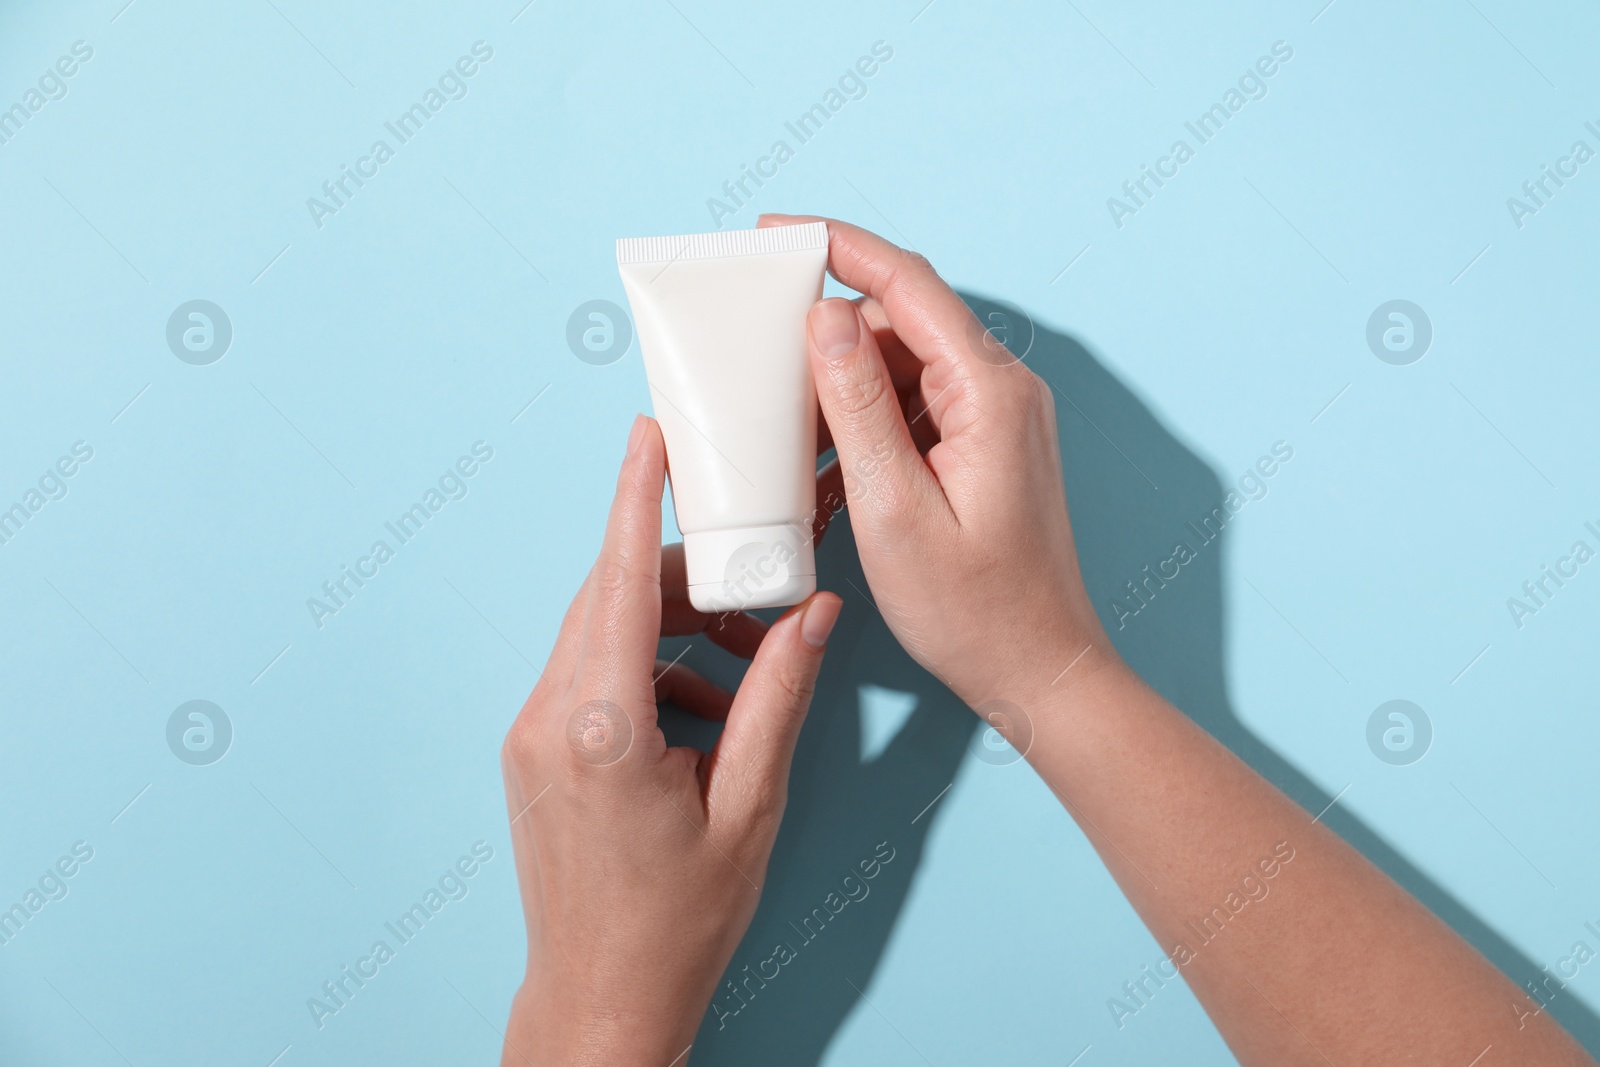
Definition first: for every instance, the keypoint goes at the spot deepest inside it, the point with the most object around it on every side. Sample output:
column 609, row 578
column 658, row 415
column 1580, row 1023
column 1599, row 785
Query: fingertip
column 645, row 455
column 646, row 433
column 633, row 525
column 779, row 218
column 636, row 434
column 818, row 617
column 834, row 326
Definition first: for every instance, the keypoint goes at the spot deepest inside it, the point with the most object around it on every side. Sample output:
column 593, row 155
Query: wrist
column 1080, row 660
column 552, row 1024
column 1041, row 710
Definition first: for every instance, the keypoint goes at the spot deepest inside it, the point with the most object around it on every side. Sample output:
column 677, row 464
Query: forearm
column 1300, row 949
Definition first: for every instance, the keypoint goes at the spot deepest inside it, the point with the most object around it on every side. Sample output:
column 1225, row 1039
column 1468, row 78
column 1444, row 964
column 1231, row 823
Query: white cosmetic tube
column 722, row 326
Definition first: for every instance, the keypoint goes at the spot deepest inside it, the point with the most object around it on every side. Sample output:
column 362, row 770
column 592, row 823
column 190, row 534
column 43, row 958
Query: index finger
column 623, row 617
column 924, row 312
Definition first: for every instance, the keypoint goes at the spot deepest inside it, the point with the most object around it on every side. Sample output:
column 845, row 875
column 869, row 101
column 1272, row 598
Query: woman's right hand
column 948, row 457
column 960, row 518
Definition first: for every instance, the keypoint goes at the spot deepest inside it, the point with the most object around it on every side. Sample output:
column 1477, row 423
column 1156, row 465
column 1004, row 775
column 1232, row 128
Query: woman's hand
column 641, row 865
column 948, row 454
column 950, row 465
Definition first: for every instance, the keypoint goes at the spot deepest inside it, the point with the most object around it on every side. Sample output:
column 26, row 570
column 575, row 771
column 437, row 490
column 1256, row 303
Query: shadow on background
column 1132, row 487
column 844, row 808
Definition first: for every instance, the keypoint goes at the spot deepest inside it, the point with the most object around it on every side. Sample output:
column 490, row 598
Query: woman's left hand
column 641, row 865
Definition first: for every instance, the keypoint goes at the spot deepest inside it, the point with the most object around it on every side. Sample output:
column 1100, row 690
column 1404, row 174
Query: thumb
column 886, row 481
column 750, row 776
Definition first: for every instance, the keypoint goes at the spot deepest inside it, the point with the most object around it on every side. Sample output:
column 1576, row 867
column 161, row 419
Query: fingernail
column 816, row 622
column 835, row 328
column 636, row 434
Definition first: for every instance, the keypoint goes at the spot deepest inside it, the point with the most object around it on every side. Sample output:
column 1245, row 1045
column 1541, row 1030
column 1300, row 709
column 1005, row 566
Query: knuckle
column 1020, row 395
column 1040, row 406
column 615, row 578
column 796, row 685
column 521, row 745
column 1036, row 392
column 760, row 808
column 858, row 388
column 598, row 734
column 610, row 579
column 763, row 810
column 914, row 262
column 908, row 272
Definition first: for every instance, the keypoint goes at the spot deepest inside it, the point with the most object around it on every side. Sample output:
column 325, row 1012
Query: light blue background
column 432, row 309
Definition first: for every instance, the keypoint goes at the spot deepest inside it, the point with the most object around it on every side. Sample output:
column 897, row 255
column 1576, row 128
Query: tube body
column 721, row 320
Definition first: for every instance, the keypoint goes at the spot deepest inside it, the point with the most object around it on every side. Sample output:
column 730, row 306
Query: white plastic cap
column 750, row 567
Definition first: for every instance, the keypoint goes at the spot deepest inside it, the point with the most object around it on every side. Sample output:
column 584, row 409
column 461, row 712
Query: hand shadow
column 1115, row 453
column 844, row 809
column 1132, row 487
